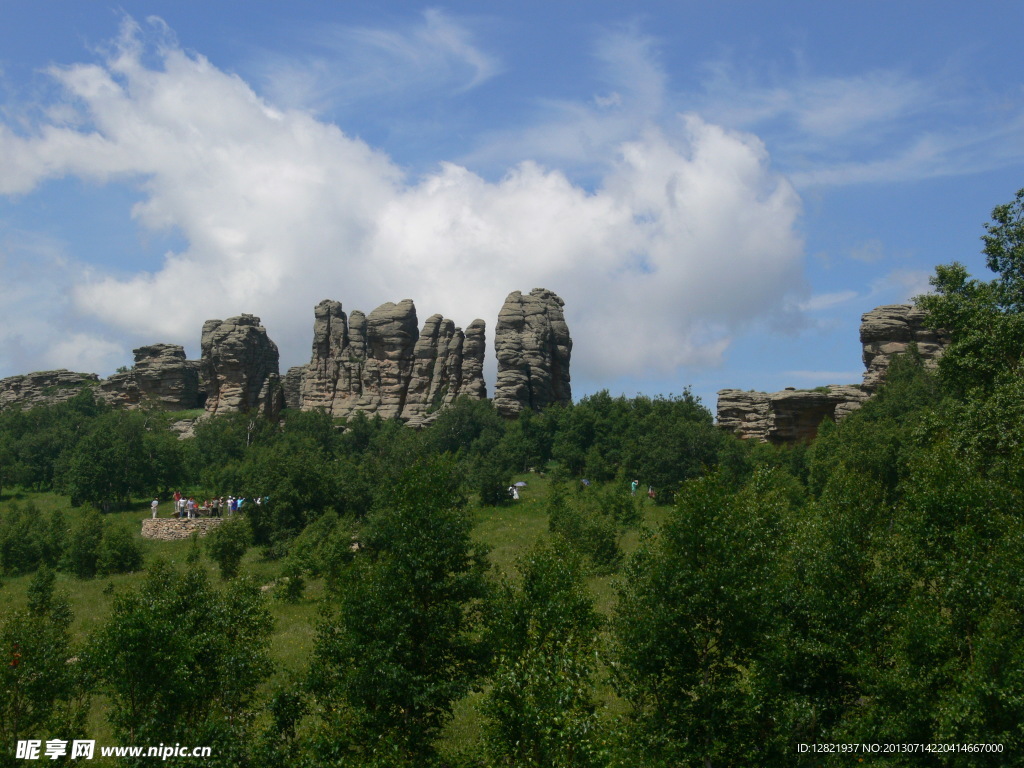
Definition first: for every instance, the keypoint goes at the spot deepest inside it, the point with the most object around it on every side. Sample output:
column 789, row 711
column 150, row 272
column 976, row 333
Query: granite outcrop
column 888, row 331
column 793, row 415
column 239, row 367
column 789, row 416
column 160, row 378
column 43, row 387
column 533, row 346
column 383, row 364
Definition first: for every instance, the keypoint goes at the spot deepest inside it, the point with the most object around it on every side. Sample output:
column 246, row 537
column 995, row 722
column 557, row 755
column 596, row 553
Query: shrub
column 291, row 585
column 83, row 548
column 591, row 533
column 119, row 551
column 21, row 535
column 228, row 543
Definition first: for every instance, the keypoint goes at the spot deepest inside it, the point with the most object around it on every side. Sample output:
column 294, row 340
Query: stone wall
column 173, row 529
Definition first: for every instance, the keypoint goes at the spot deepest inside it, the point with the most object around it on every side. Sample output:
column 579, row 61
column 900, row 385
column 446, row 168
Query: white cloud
column 879, row 126
column 585, row 134
column 901, row 285
column 868, row 252
column 39, row 328
column 352, row 64
column 687, row 237
column 827, row 300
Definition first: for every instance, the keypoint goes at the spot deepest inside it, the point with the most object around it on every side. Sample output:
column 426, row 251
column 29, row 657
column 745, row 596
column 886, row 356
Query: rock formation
column 889, row 331
column 794, row 415
column 383, row 364
column 784, row 417
column 161, row 378
column 533, row 346
column 43, row 388
column 293, row 386
column 239, row 367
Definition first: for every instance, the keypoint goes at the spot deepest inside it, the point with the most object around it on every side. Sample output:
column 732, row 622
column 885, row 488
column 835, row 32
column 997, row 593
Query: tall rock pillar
column 533, row 346
column 240, row 367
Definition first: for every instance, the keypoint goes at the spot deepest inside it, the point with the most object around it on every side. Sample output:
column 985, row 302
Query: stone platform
column 172, row 529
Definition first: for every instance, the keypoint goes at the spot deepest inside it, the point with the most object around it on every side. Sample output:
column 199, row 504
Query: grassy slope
column 507, row 531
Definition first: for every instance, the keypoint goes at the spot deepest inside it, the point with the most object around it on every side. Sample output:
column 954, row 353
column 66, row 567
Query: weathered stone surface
column 432, row 371
column 533, row 346
column 744, row 413
column 173, row 529
column 888, row 331
column 473, row 350
column 391, row 335
column 240, row 367
column 161, row 378
column 789, row 416
column 849, row 398
column 383, row 364
column 293, row 386
column 794, row 415
column 43, row 388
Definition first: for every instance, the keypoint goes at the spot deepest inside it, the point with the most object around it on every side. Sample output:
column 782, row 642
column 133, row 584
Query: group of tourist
column 636, row 484
column 187, row 507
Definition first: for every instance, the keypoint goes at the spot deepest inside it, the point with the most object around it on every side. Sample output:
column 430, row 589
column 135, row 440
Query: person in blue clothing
column 633, row 486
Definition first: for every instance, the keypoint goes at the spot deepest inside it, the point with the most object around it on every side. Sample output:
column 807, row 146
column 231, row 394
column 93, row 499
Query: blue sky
column 717, row 190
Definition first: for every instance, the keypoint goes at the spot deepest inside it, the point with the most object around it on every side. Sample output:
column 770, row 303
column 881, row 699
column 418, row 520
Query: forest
column 391, row 605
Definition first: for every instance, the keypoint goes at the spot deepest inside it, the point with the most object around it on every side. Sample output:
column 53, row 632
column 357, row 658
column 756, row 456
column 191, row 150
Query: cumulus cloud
column 39, row 327
column 687, row 237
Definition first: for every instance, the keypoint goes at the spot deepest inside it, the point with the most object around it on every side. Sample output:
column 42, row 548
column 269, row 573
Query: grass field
column 508, row 532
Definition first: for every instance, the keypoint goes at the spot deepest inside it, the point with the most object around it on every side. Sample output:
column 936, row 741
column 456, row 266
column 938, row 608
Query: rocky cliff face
column 794, row 415
column 533, row 346
column 889, row 331
column 43, row 387
column 383, row 364
column 239, row 367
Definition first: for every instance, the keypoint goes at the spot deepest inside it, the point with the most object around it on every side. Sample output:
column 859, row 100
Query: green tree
column 693, row 603
column 228, row 543
column 83, row 550
column 984, row 319
column 119, row 551
column 403, row 645
column 38, row 670
column 1004, row 251
column 540, row 709
column 181, row 661
column 110, row 463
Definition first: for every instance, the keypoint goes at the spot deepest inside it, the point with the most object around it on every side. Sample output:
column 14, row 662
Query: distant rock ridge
column 793, row 415
column 533, row 345
column 43, row 387
column 380, row 364
column 383, row 364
